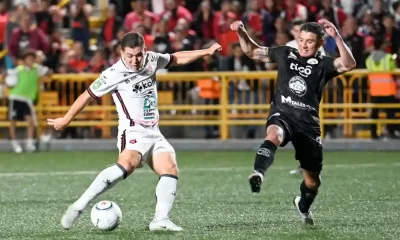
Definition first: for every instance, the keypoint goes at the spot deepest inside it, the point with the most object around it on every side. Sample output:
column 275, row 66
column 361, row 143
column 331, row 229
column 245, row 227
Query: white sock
column 165, row 193
column 14, row 143
column 104, row 181
column 30, row 142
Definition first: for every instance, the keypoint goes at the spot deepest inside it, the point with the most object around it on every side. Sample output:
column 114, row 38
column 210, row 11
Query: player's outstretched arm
column 186, row 57
column 77, row 107
column 248, row 45
column 346, row 61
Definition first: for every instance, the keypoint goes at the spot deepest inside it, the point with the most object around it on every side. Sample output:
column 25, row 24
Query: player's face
column 29, row 60
column 308, row 44
column 133, row 57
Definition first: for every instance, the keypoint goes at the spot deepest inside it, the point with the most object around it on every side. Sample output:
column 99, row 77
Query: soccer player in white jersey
column 132, row 83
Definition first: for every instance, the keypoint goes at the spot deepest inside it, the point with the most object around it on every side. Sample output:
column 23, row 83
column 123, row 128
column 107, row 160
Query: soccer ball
column 106, row 215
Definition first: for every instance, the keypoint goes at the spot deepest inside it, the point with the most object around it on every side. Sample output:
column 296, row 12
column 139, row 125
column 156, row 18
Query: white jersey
column 134, row 93
column 294, row 44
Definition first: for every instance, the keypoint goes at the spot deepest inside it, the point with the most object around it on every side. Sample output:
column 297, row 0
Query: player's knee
column 165, row 163
column 129, row 160
column 172, row 169
column 275, row 134
column 313, row 182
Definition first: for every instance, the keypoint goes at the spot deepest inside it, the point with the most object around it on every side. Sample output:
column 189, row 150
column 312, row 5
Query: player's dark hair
column 132, row 40
column 297, row 23
column 315, row 28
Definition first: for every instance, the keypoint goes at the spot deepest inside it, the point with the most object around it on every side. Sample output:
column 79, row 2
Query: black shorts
column 307, row 144
column 18, row 110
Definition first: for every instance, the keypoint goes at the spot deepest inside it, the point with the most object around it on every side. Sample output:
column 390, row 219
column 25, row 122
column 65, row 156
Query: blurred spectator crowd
column 175, row 25
column 64, row 40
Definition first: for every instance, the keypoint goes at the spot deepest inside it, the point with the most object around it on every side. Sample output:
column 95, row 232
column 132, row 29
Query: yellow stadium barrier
column 244, row 99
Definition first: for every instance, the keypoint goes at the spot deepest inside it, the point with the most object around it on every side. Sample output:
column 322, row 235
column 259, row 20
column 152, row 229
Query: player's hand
column 58, row 123
column 237, row 26
column 329, row 27
column 214, row 48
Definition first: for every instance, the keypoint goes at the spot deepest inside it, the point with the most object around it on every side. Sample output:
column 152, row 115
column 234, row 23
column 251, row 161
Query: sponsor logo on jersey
column 303, row 71
column 296, row 104
column 312, row 61
column 150, row 106
column 97, row 84
column 298, row 86
column 143, row 85
column 147, row 71
column 102, row 79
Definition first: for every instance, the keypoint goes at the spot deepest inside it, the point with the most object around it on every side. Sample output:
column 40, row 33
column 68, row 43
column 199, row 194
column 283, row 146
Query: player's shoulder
column 154, row 56
column 325, row 58
column 114, row 71
column 282, row 48
column 291, row 43
column 279, row 51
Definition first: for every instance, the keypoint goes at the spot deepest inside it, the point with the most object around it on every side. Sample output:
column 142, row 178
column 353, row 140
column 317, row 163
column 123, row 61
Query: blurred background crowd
column 83, row 36
column 67, row 43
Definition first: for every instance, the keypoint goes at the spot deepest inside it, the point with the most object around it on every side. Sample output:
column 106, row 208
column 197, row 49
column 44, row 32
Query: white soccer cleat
column 296, row 171
column 307, row 218
column 45, row 138
column 164, row 225
column 70, row 216
column 17, row 148
column 255, row 180
column 30, row 148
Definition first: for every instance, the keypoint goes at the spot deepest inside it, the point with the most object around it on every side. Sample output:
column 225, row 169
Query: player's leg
column 374, row 115
column 30, row 132
column 128, row 160
column 278, row 134
column 13, row 116
column 164, row 164
column 30, row 118
column 391, row 114
column 309, row 153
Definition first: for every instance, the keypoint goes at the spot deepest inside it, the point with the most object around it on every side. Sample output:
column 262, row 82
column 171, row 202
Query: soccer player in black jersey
column 302, row 75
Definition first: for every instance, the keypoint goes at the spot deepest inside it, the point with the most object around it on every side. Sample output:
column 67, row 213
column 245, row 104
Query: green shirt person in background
column 23, row 82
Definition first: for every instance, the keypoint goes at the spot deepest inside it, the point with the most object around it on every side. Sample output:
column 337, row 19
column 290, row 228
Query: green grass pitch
column 359, row 197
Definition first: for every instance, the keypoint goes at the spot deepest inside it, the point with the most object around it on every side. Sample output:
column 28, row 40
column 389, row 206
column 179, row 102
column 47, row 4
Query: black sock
column 264, row 156
column 307, row 197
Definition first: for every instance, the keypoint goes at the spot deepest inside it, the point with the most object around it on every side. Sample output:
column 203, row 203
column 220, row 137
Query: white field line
column 210, row 169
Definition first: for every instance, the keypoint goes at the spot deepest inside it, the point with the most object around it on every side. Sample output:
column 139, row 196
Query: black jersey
column 300, row 84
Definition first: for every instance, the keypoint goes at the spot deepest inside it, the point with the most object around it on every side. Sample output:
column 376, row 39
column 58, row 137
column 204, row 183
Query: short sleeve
column 43, row 70
column 12, row 77
column 275, row 52
column 103, row 85
column 164, row 61
column 329, row 68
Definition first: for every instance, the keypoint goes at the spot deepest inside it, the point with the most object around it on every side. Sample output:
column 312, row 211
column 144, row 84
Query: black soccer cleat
column 255, row 180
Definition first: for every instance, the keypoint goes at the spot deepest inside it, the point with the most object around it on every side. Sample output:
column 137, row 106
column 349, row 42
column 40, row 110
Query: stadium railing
column 244, row 99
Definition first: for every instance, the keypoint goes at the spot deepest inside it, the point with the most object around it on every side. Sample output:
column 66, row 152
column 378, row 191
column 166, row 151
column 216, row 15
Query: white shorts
column 146, row 140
